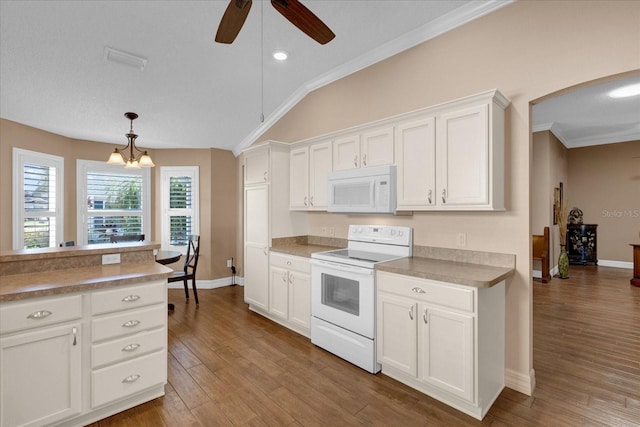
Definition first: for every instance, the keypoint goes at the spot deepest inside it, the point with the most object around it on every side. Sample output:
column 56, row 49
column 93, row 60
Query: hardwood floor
column 228, row 366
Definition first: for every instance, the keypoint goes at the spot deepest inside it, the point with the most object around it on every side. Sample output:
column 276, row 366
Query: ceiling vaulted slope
column 192, row 92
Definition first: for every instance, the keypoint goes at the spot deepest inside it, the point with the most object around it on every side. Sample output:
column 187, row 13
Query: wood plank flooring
column 228, row 366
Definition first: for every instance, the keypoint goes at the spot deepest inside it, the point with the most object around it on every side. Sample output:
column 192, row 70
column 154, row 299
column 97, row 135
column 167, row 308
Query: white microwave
column 366, row 190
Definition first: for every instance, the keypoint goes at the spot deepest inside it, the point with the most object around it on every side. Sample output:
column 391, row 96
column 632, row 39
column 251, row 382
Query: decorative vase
column 563, row 263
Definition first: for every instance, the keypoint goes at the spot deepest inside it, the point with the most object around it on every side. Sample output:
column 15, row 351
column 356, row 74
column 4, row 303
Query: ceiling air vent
column 124, row 58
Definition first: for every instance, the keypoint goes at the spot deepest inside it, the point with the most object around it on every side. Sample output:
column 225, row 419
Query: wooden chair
column 126, row 238
column 190, row 267
column 541, row 253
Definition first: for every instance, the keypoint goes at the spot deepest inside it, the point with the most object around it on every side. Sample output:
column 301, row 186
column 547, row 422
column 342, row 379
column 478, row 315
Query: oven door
column 344, row 295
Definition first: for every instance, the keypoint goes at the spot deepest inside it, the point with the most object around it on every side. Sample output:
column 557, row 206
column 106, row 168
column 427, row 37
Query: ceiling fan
column 293, row 10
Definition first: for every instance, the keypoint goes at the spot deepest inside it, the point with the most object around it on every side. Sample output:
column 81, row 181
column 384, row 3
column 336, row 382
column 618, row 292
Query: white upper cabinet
column 367, row 149
column 309, row 170
column 416, row 163
column 256, row 166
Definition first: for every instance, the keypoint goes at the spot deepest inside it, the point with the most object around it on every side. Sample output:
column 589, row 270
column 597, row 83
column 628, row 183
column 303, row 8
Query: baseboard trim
column 520, row 382
column 209, row 284
column 616, row 264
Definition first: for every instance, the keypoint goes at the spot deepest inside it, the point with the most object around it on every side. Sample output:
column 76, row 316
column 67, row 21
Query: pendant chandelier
column 118, row 156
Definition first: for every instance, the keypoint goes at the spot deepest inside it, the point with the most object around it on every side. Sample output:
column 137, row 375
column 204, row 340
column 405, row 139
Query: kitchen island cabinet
column 79, row 340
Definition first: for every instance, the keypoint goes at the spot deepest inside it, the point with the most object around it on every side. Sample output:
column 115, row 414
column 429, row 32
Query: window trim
column 20, row 157
column 86, row 166
column 166, row 172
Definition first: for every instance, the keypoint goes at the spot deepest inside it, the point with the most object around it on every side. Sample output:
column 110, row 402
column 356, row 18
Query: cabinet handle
column 429, row 196
column 305, row 200
column 131, row 379
column 355, row 161
column 411, row 313
column 284, row 277
column 265, row 176
column 130, row 347
column 130, row 323
column 444, row 196
column 364, row 159
column 311, row 200
column 74, row 331
column 288, row 262
column 291, row 279
column 265, row 251
column 418, row 291
column 424, row 316
column 40, row 314
column 131, row 298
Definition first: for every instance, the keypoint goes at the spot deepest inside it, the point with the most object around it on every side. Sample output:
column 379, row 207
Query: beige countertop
column 32, row 285
column 463, row 273
column 302, row 250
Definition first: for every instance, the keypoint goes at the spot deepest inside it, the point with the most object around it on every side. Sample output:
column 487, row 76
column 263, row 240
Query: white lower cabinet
column 443, row 339
column 72, row 360
column 290, row 291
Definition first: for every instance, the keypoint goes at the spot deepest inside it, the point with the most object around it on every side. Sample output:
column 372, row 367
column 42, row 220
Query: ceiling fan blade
column 232, row 20
column 304, row 19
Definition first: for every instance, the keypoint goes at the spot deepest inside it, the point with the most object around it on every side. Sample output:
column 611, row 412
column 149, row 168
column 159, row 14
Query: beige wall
column 218, row 189
column 527, row 50
column 605, row 185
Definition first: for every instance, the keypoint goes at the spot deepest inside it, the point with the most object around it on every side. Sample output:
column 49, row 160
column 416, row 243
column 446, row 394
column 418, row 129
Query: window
column 180, row 205
column 111, row 200
column 37, row 199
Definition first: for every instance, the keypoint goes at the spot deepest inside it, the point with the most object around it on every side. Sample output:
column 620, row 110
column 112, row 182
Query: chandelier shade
column 119, row 155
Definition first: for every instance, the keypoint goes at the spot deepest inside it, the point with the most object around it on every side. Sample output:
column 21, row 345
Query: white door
column 415, row 156
column 300, row 299
column 396, row 335
column 279, row 292
column 320, row 164
column 299, row 178
column 346, row 153
column 377, row 148
column 447, row 351
column 41, row 376
column 463, row 157
column 256, row 236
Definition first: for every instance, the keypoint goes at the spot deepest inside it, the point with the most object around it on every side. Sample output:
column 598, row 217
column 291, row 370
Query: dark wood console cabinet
column 582, row 243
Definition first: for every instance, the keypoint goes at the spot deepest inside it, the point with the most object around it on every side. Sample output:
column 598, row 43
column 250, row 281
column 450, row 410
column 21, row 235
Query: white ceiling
column 195, row 93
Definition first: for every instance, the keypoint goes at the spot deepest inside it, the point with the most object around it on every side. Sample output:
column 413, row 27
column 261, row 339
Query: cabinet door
column 377, row 148
column 279, row 292
column 41, row 376
column 299, row 178
column 256, row 166
column 256, row 276
column 396, row 336
column 462, row 148
column 300, row 299
column 256, row 221
column 446, row 351
column 346, row 153
column 320, row 164
column 415, row 156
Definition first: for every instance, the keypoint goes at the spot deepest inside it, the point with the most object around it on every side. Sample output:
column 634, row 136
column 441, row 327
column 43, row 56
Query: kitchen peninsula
column 83, row 332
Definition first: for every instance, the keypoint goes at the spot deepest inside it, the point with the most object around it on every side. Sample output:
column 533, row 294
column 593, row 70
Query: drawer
column 128, row 322
column 16, row 316
column 124, row 379
column 290, row 262
column 119, row 350
column 123, row 298
column 431, row 291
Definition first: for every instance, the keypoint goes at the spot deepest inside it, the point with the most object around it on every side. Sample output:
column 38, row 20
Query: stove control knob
column 400, row 233
column 359, row 230
column 393, row 231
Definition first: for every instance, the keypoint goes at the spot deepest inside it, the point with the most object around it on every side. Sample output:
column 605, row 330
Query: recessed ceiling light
column 626, row 91
column 280, row 55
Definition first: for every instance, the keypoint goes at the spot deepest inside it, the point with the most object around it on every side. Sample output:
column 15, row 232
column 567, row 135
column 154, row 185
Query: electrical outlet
column 462, row 240
column 111, row 259
column 323, row 231
column 229, row 263
column 332, row 232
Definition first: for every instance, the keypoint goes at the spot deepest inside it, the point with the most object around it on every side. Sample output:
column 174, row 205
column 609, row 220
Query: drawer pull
column 429, row 197
column 288, row 262
column 419, row 291
column 131, row 298
column 130, row 323
column 40, row 314
column 131, row 379
column 131, row 347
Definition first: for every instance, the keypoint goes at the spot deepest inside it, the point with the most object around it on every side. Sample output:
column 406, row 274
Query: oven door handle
column 343, row 267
